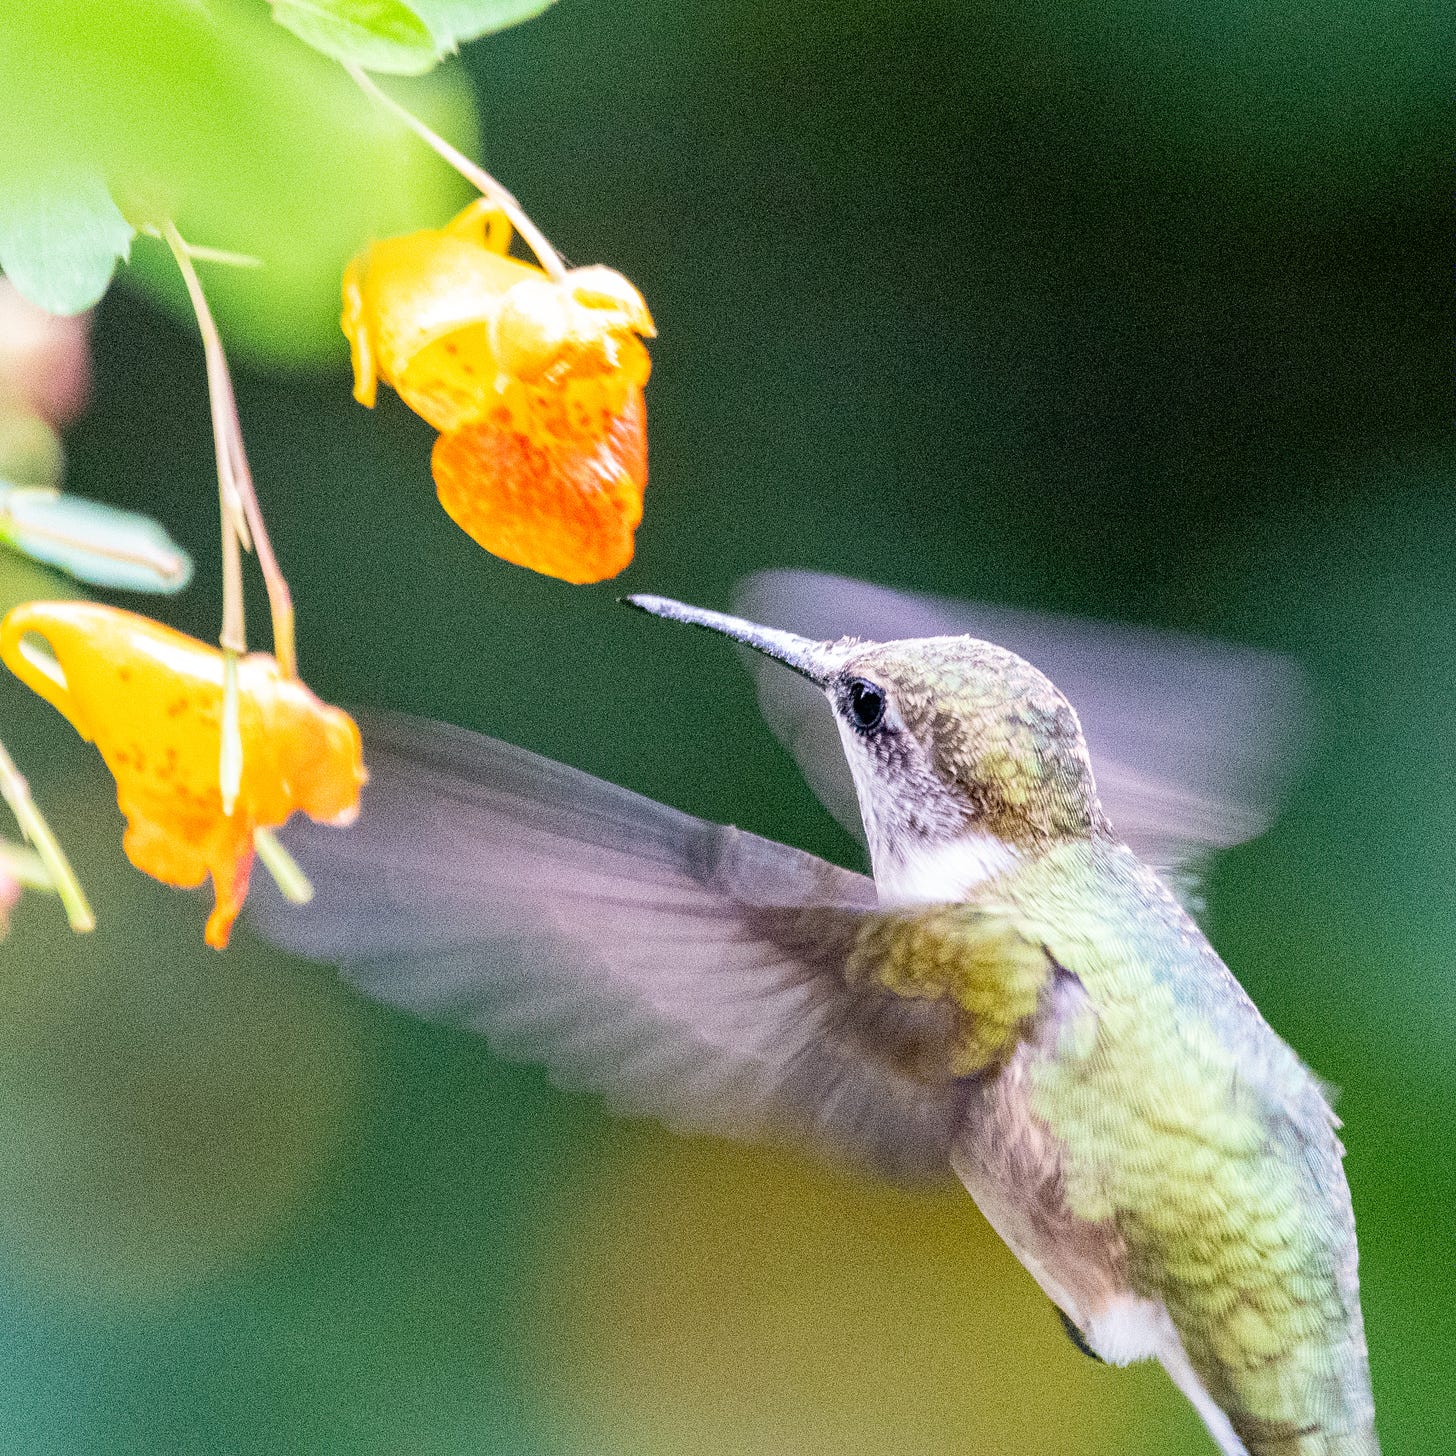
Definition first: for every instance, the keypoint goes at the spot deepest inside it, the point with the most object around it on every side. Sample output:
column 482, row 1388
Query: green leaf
column 30, row 450
column 61, row 238
column 389, row 35
column 376, row 35
column 455, row 21
column 219, row 119
column 92, row 542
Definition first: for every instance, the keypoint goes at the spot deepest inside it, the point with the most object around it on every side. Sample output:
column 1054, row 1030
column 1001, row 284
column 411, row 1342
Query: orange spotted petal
column 587, row 325
column 615, row 303
column 151, row 700
column 553, row 480
column 447, row 319
column 418, row 310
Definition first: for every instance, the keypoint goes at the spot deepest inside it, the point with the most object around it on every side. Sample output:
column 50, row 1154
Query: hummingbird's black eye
column 866, row 705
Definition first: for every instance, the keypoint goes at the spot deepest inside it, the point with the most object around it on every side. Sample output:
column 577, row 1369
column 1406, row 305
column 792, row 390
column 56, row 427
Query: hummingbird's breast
column 1163, row 1163
column 1015, row 1167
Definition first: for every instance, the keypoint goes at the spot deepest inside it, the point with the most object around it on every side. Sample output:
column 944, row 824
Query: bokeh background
column 1133, row 309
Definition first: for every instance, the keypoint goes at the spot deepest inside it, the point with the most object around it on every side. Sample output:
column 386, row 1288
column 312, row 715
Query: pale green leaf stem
column 16, row 792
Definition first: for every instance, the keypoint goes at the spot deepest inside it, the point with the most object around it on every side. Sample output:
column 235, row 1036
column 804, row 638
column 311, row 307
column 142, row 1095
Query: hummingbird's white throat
column 938, row 873
column 913, row 866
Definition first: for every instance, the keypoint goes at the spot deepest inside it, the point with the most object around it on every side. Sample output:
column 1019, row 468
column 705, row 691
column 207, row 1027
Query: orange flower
column 151, row 700
column 534, row 382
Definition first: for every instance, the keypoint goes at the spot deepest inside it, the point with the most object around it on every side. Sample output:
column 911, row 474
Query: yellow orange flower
column 151, row 700
column 534, row 382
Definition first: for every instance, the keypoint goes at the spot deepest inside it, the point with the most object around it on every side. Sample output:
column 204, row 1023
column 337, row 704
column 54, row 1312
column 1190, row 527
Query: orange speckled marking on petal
column 410, row 294
column 535, row 383
column 553, row 484
column 484, row 224
column 453, row 380
column 151, row 700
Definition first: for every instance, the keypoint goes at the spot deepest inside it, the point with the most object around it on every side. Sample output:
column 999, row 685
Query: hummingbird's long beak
column 817, row 661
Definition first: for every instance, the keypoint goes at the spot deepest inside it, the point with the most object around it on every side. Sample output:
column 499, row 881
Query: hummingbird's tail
column 1256, row 1439
column 1321, row 1443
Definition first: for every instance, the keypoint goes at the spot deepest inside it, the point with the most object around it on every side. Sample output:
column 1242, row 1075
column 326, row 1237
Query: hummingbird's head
column 964, row 756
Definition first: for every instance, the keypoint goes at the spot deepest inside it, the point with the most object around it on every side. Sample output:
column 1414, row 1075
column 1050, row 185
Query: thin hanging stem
column 280, row 597
column 235, row 481
column 292, row 883
column 477, row 176
column 223, row 255
column 207, row 255
column 16, row 792
column 25, row 867
column 242, row 529
column 234, row 636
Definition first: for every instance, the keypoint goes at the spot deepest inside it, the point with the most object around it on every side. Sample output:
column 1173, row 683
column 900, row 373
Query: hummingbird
column 1016, row 997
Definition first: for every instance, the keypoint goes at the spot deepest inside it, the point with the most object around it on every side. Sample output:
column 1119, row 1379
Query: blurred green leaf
column 30, row 451
column 377, row 35
column 390, row 36
column 21, row 580
column 454, row 22
column 218, row 119
column 95, row 543
column 61, row 238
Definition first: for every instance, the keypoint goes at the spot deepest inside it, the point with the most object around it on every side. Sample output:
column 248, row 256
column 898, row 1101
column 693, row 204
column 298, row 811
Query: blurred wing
column 1192, row 741
column 688, row 971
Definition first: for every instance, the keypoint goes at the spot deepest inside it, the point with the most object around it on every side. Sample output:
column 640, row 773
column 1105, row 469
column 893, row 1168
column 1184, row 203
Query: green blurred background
column 1131, row 308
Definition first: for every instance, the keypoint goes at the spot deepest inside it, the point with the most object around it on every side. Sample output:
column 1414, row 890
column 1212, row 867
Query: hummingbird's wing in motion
column 1192, row 741
column 689, row 972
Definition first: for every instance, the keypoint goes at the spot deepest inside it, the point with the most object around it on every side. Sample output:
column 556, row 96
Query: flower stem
column 242, row 515
column 230, row 747
column 25, row 867
column 207, row 255
column 477, row 176
column 292, row 883
column 16, row 792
